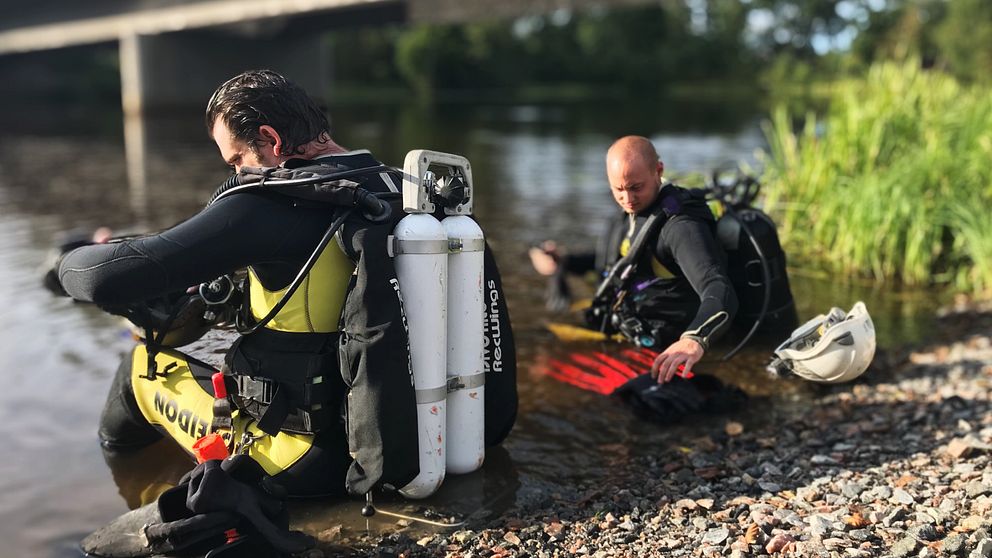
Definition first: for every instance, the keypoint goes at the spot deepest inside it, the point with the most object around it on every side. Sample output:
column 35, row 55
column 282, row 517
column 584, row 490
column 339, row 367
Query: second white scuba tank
column 466, row 313
column 439, row 266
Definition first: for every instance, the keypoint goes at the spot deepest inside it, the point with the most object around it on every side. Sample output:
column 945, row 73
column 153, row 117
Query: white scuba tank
column 466, row 313
column 421, row 251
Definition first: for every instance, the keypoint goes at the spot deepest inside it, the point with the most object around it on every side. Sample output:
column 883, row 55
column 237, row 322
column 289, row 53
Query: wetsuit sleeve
column 691, row 244
column 222, row 238
column 580, row 263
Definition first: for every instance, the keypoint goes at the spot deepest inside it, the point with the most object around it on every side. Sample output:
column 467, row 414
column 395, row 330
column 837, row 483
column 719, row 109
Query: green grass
column 894, row 182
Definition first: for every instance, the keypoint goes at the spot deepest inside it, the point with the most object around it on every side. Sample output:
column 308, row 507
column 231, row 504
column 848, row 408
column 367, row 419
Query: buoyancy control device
column 755, row 259
column 451, row 303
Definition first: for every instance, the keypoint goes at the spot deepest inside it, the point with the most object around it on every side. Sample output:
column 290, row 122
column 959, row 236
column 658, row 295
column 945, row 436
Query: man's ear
column 661, row 169
column 270, row 139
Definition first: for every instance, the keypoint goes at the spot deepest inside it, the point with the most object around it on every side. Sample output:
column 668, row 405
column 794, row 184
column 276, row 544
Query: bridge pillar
column 181, row 70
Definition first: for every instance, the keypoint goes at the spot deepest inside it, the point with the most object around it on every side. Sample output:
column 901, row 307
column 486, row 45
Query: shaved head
column 634, row 171
column 629, row 148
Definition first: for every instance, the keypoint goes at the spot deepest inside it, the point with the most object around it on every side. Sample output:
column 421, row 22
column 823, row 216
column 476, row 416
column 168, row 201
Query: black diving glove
column 50, row 268
column 672, row 401
column 558, row 296
column 239, row 484
column 218, row 496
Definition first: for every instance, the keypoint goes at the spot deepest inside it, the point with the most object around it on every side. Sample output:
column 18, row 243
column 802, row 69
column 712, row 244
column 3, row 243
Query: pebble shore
column 897, row 464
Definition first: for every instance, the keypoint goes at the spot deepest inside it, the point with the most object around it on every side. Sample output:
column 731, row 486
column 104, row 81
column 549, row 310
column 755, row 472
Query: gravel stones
column 899, row 467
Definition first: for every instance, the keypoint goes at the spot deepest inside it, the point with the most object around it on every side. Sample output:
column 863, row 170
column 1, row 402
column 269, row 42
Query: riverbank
column 896, row 465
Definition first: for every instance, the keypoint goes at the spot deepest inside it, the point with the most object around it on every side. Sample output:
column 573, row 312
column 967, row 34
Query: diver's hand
column 685, row 352
column 69, row 242
column 545, row 257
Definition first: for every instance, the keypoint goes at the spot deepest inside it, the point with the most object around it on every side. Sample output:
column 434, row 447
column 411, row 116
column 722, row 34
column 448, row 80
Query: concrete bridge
column 175, row 52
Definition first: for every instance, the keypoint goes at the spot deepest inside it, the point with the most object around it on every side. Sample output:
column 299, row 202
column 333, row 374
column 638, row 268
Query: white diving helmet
column 830, row 349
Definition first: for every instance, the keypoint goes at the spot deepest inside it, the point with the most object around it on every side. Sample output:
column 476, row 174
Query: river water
column 538, row 172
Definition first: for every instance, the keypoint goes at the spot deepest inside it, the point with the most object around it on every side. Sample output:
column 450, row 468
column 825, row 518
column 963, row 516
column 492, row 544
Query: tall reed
column 893, row 182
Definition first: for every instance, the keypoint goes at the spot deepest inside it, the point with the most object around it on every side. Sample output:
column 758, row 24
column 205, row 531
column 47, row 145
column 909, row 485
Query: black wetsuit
column 680, row 286
column 271, row 232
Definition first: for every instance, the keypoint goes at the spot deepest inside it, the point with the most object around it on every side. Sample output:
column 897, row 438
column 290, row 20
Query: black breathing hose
column 766, row 271
column 244, row 330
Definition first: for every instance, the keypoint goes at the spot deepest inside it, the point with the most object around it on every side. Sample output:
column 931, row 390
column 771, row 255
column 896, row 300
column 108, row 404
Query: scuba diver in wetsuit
column 675, row 295
column 321, row 377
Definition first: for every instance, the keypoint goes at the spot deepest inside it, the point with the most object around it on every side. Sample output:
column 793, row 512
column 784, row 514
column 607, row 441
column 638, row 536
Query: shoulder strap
column 619, row 275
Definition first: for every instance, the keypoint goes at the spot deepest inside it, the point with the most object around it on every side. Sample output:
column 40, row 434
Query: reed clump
column 894, row 182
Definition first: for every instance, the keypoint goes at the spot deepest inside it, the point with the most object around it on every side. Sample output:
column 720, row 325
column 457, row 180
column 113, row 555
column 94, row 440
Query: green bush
column 893, row 182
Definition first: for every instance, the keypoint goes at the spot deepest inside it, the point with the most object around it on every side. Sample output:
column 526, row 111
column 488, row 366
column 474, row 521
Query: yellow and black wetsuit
column 288, row 372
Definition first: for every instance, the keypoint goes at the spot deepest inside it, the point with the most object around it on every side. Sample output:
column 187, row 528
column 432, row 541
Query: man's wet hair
column 263, row 97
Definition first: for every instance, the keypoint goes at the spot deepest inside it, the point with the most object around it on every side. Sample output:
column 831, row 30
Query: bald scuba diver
column 668, row 289
column 320, row 379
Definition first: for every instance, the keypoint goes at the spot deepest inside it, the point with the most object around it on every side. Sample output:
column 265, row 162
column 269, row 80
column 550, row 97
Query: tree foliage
column 647, row 48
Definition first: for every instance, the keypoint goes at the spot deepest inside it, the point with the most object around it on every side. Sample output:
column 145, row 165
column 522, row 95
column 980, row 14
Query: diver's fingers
column 656, row 365
column 673, row 365
column 690, row 361
column 663, row 366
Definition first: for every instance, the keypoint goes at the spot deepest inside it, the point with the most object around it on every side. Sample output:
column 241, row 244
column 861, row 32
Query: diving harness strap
column 334, row 189
column 615, row 286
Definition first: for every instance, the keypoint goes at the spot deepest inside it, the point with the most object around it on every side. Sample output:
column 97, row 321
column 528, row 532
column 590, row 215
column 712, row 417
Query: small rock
column 926, row 533
column 554, row 530
column 852, row 490
column 954, row 544
column 627, row 525
column 820, row 525
column 901, row 496
column 822, row 460
column 882, row 492
column 705, row 503
column 778, row 543
column 905, row 547
column 734, row 428
column 716, row 536
column 860, row 535
column 808, row 494
column 770, row 486
column 329, row 535
column 894, row 516
column 982, row 550
column 685, row 504
column 962, row 448
column 834, row 543
column 770, row 469
column 425, row 541
column 975, row 489
column 790, row 517
column 972, row 522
